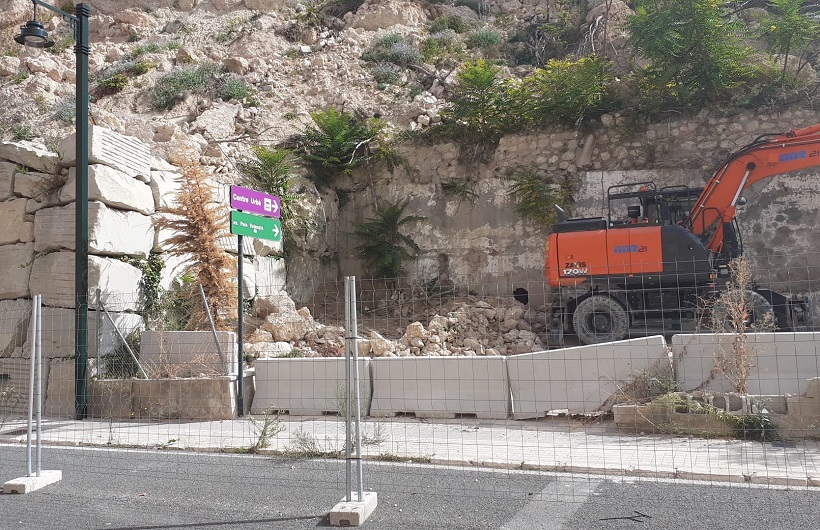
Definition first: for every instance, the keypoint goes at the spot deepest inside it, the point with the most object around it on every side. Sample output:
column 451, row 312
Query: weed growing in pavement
column 265, row 428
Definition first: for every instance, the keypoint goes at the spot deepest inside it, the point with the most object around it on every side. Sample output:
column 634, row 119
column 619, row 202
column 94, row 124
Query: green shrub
column 65, row 111
column 445, row 22
column 441, row 46
column 61, row 45
column 383, row 249
column 172, row 86
column 484, row 38
column 534, row 197
column 22, row 132
column 138, row 50
column 387, row 73
column 481, row 107
column 114, row 83
column 545, row 37
column 238, row 89
column 338, row 142
column 692, row 48
column 115, row 78
column 568, row 92
column 392, row 48
column 270, row 170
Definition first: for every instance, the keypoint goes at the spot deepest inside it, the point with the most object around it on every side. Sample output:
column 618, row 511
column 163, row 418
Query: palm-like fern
column 383, row 249
column 337, row 142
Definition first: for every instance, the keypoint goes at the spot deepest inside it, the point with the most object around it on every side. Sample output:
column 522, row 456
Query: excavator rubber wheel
column 757, row 316
column 600, row 318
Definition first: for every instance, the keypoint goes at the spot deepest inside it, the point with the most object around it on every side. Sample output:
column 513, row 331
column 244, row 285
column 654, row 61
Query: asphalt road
column 148, row 490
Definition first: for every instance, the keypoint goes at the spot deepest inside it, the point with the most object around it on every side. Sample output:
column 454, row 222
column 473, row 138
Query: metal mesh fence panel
column 465, row 392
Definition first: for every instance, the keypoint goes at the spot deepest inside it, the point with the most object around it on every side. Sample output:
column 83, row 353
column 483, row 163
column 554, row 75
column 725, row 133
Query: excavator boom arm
column 768, row 155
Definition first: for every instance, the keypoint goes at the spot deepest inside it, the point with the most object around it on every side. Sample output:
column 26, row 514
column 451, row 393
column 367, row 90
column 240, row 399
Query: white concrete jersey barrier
column 779, row 363
column 440, row 387
column 581, row 379
column 306, row 386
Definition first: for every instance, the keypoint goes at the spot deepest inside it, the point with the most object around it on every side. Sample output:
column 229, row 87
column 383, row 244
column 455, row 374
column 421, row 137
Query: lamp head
column 33, row 35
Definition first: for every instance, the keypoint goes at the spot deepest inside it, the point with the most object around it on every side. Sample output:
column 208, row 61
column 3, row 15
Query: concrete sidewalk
column 547, row 444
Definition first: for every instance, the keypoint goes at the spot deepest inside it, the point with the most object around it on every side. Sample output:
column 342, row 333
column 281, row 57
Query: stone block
column 12, row 217
column 30, row 155
column 112, row 188
column 59, row 399
column 35, row 185
column 14, row 321
column 52, row 276
column 582, row 379
column 164, row 188
column 270, row 275
column 110, row 232
column 58, row 332
column 217, row 122
column 440, row 386
column 306, row 386
column 188, row 353
column 16, row 264
column 124, row 153
column 780, row 363
column 15, row 374
column 7, row 170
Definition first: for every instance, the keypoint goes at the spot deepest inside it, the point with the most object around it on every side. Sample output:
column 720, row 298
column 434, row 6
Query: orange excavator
column 662, row 264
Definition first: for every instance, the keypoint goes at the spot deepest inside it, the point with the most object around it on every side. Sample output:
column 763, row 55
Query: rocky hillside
column 209, row 79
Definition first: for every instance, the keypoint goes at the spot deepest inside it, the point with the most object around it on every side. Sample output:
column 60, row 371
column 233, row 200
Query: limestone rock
column 260, row 335
column 30, row 155
column 287, row 330
column 113, row 188
column 373, row 16
column 265, row 350
column 218, row 122
column 12, row 217
column 58, row 331
column 266, row 5
column 9, row 65
column 164, row 187
column 16, row 264
column 124, row 153
column 36, row 185
column 13, row 325
column 52, row 275
column 380, row 346
column 110, row 232
column 7, row 170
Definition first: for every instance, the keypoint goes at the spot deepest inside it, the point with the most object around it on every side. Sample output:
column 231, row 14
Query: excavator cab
column 644, row 203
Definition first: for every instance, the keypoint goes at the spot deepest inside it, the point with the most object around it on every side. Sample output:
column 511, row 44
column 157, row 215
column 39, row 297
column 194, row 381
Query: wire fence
column 452, row 374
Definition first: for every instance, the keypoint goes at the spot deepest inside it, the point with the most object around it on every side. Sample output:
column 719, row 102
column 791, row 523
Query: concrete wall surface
column 440, row 386
column 185, row 353
column 581, row 379
column 161, row 399
column 779, row 363
column 307, row 386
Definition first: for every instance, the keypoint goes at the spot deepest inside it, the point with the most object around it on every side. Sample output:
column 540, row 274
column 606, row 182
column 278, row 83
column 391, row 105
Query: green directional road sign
column 245, row 224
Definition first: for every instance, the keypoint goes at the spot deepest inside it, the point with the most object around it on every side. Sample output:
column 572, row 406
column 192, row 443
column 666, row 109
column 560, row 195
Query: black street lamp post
column 32, row 34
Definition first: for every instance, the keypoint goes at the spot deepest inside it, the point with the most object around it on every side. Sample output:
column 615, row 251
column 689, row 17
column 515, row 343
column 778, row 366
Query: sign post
column 247, row 224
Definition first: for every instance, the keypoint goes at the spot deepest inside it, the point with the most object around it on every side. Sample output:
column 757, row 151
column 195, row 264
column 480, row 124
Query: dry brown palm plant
column 198, row 223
